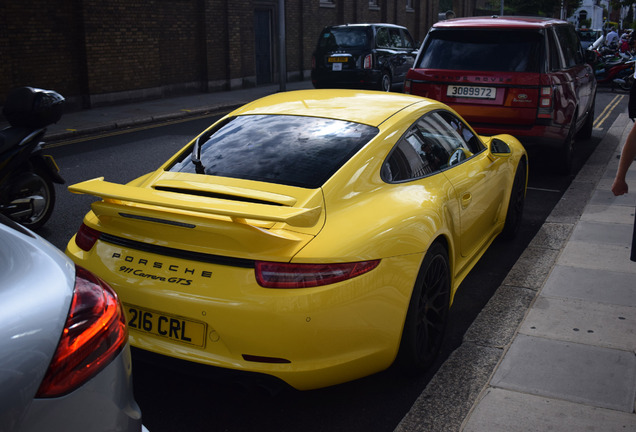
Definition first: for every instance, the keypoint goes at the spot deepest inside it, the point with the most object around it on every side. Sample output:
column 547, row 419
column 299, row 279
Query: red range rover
column 519, row 75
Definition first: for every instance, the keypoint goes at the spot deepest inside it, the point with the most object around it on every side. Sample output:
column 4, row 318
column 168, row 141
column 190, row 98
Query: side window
column 396, row 38
column 555, row 62
column 408, row 40
column 382, row 38
column 571, row 53
column 471, row 142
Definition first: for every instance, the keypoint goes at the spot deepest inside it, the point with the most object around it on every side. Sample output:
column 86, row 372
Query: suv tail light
column 407, row 86
column 545, row 102
column 286, row 275
column 94, row 334
column 86, row 237
column 368, row 61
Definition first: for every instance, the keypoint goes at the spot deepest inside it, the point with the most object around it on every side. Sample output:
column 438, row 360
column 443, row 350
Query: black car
column 372, row 56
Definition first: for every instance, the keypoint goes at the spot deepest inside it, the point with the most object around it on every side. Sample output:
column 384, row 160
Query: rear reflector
column 286, row 275
column 262, row 359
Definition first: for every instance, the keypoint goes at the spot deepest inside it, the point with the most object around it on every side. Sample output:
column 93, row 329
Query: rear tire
column 39, row 188
column 566, row 152
column 588, row 127
column 427, row 315
column 385, row 82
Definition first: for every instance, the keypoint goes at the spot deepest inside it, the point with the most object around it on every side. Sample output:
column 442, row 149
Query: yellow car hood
column 208, row 214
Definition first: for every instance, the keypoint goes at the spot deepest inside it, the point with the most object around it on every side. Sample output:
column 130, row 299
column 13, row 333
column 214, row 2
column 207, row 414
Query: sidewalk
column 111, row 118
column 555, row 347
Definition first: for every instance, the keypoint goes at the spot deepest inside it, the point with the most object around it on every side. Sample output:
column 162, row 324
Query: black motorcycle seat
column 11, row 137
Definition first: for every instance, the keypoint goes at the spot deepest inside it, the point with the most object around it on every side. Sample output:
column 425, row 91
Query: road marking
column 607, row 111
column 129, row 130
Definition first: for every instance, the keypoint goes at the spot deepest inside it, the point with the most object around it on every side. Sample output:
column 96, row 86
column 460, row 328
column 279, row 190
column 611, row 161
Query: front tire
column 516, row 203
column 427, row 314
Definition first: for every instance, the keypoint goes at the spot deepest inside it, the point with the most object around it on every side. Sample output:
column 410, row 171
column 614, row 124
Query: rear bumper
column 309, row 338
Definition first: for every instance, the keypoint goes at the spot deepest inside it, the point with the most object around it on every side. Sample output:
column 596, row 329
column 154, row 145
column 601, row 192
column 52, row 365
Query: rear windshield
column 483, row 50
column 344, row 38
column 283, row 149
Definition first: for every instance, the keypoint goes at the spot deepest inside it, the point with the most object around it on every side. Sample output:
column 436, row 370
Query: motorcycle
column 27, row 193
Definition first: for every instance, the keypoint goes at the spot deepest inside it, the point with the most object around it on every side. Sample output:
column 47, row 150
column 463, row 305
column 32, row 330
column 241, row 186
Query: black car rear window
column 284, row 149
column 342, row 38
column 483, row 50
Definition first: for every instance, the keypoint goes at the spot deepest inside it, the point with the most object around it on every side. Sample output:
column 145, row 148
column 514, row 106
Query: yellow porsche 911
column 316, row 236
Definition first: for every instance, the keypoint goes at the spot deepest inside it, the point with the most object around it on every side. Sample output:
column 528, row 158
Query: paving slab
column 580, row 321
column 591, row 284
column 612, row 257
column 578, row 373
column 505, row 411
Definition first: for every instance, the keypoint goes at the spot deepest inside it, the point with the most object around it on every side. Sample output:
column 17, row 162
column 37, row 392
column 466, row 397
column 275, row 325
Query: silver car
column 64, row 354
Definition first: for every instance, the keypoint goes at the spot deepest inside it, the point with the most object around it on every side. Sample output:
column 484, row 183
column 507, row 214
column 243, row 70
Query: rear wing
column 237, row 210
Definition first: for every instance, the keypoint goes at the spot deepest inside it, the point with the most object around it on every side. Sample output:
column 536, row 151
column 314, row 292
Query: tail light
column 368, row 61
column 86, row 237
column 407, row 86
column 545, row 102
column 286, row 275
column 94, row 334
column 313, row 62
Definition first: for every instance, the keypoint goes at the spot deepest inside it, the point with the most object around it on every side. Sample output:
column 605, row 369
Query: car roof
column 359, row 106
column 500, row 22
column 366, row 25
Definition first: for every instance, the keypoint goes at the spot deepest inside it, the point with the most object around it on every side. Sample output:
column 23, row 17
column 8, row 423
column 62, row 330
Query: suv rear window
column 344, row 37
column 284, row 149
column 483, row 50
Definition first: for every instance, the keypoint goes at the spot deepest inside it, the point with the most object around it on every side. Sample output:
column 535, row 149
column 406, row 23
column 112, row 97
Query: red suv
column 519, row 75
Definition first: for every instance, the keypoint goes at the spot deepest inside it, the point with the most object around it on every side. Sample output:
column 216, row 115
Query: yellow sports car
column 315, row 236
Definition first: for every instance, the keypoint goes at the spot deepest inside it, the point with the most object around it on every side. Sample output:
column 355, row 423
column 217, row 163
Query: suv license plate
column 338, row 59
column 169, row 326
column 471, row 92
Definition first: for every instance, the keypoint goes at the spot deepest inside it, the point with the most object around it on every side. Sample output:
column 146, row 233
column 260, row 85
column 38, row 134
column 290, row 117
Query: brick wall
column 98, row 52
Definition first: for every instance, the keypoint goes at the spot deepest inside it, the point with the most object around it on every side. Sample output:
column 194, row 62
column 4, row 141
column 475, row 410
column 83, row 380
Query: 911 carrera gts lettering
column 160, row 266
column 140, row 273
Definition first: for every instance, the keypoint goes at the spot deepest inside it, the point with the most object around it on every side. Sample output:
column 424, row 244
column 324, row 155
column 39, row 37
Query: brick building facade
column 99, row 52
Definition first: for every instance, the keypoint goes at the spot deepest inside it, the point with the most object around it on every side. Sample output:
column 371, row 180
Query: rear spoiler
column 237, row 210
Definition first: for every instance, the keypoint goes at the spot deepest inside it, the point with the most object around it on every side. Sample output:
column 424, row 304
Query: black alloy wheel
column 427, row 315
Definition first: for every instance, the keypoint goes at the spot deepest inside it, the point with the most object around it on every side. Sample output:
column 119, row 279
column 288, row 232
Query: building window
column 409, row 6
column 328, row 3
column 373, row 5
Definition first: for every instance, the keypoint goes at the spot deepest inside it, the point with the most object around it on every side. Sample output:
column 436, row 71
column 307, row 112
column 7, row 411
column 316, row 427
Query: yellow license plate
column 338, row 59
column 176, row 328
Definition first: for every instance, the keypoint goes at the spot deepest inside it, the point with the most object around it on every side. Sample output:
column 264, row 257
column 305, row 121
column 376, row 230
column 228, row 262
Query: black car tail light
column 86, row 237
column 368, row 61
column 287, row 275
column 94, row 334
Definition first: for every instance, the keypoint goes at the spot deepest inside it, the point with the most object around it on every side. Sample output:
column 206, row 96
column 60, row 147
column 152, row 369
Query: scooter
column 27, row 193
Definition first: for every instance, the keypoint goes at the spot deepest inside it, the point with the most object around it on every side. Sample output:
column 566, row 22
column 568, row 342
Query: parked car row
column 304, row 235
column 524, row 76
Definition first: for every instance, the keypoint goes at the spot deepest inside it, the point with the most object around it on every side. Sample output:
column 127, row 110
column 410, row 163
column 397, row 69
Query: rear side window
column 340, row 38
column 570, row 45
column 283, row 149
column 427, row 147
column 483, row 50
